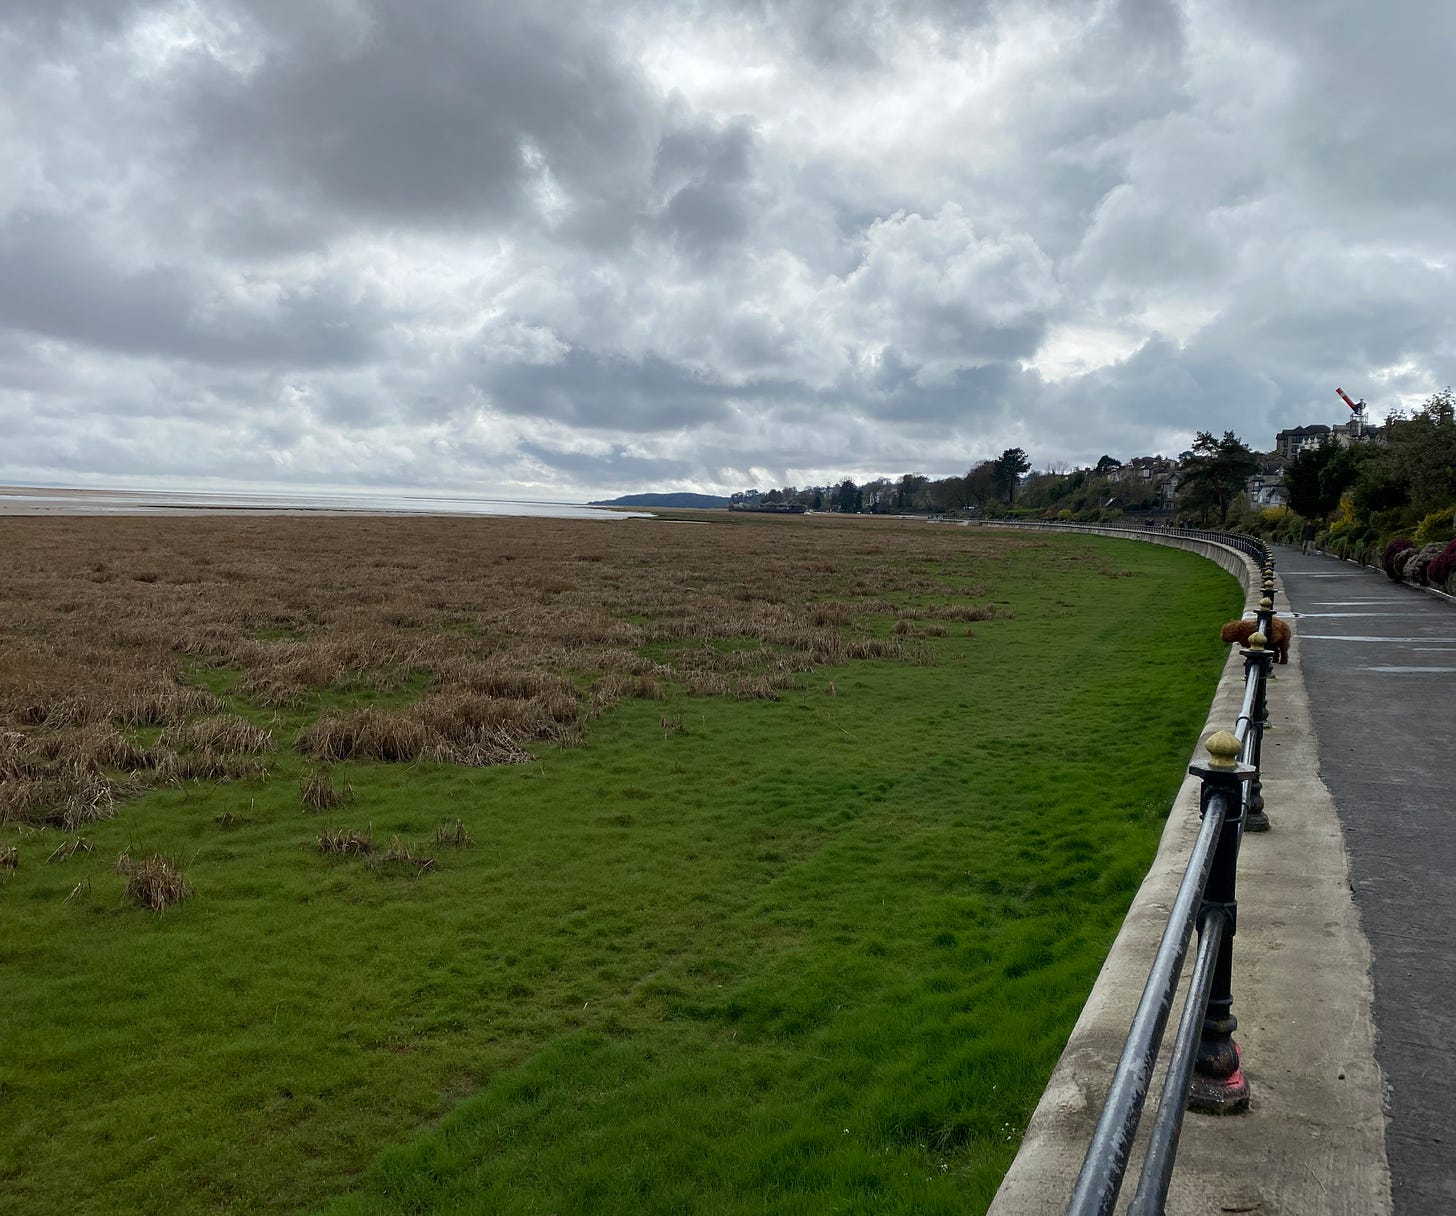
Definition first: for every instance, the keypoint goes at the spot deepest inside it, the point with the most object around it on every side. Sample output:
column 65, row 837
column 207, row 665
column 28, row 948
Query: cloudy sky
column 560, row 250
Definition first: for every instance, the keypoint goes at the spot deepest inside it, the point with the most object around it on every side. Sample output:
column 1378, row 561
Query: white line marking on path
column 1402, row 670
column 1364, row 637
column 1312, row 615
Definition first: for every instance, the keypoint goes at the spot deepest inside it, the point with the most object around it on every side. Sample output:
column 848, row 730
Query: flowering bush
column 1413, row 565
column 1392, row 551
column 1442, row 569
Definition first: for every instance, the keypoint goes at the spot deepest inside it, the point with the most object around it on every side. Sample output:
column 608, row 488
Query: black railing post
column 1265, row 617
column 1257, row 658
column 1219, row 1087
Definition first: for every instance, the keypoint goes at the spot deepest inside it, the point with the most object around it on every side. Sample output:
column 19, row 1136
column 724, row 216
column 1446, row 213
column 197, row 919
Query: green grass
column 814, row 955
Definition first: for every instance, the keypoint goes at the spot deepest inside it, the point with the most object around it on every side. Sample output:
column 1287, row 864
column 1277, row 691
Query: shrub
column 1393, row 550
column 1442, row 570
column 1418, row 561
column 1437, row 528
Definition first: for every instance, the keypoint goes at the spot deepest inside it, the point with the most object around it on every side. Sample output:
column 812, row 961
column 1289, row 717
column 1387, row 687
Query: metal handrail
column 1204, row 1064
column 1100, row 1179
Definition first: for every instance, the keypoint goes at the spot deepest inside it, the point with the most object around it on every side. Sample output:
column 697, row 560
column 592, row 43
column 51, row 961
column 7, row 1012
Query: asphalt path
column 1379, row 662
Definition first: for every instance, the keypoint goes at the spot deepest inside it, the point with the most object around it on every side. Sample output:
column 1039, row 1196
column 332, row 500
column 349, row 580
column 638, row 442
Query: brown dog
column 1241, row 631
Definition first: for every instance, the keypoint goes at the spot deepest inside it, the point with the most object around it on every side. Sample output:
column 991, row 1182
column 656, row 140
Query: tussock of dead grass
column 762, row 687
column 613, row 688
column 365, row 734
column 346, row 842
column 107, row 747
column 873, row 648
column 207, row 765
column 219, row 733
column 399, row 858
column 317, row 791
column 831, row 614
column 9, row 857
column 153, row 882
column 69, row 796
column 453, row 835
column 966, row 612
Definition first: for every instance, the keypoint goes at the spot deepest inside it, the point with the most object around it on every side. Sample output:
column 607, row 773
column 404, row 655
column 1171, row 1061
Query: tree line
column 987, row 483
column 1353, row 497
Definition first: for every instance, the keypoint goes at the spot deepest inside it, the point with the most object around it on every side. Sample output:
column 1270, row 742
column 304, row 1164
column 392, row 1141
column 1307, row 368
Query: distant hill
column 702, row 501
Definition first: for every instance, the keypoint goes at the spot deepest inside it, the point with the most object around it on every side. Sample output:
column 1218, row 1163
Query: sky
column 567, row 251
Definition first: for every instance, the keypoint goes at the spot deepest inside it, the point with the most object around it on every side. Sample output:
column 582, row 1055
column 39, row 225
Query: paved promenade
column 1379, row 662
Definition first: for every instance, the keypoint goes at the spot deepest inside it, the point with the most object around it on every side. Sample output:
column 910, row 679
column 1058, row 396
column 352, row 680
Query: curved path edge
column 1314, row 1138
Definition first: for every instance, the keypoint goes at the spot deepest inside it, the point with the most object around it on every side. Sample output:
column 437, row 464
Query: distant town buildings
column 1290, row 443
column 1266, row 487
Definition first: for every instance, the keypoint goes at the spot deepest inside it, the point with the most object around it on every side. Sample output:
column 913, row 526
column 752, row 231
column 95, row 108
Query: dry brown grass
column 346, row 842
column 219, row 733
column 153, row 882
column 67, row 849
column 399, row 858
column 453, row 835
column 317, row 791
column 518, row 630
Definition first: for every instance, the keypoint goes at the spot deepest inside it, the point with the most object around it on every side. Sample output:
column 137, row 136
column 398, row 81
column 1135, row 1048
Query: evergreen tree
column 1009, row 467
column 1212, row 474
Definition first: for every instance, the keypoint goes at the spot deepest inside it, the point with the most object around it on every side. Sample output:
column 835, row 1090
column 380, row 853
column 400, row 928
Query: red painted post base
column 1227, row 1095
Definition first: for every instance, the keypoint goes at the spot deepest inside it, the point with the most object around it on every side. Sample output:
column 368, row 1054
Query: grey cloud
column 55, row 281
column 615, row 468
column 79, row 21
column 1367, row 92
column 433, row 113
column 261, row 226
column 843, row 35
column 604, row 392
column 705, row 173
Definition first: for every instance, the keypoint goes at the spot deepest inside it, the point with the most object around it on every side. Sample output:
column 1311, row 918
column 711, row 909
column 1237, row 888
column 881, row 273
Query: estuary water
column 24, row 500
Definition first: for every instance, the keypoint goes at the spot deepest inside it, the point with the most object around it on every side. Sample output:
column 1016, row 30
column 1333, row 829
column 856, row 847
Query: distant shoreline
column 35, row 501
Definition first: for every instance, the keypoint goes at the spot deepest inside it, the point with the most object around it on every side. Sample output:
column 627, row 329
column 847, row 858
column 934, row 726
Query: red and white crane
column 1357, row 408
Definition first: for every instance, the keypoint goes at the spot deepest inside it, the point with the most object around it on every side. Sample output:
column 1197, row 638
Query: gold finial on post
column 1223, row 748
column 1266, row 604
column 1257, row 641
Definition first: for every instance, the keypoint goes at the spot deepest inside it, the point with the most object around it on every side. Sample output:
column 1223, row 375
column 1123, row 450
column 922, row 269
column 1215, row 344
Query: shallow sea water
column 28, row 501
